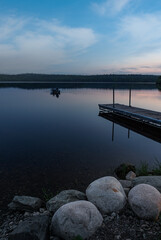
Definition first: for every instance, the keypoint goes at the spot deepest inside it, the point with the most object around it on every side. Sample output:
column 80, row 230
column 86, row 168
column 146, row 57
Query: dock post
column 113, row 131
column 130, row 97
column 128, row 133
column 113, row 97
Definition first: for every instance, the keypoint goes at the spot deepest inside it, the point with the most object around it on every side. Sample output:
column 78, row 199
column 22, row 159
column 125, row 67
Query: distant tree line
column 159, row 80
column 80, row 78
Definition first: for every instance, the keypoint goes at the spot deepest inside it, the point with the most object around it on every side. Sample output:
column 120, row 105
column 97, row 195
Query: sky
column 80, row 36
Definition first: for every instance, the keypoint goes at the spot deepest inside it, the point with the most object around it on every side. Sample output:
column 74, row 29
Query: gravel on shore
column 122, row 226
column 127, row 226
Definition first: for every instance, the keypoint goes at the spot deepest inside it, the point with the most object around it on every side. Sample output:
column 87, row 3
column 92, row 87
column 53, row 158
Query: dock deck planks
column 137, row 114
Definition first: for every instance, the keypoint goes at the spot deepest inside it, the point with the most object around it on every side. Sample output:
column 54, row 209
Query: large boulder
column 107, row 194
column 145, row 201
column 64, row 197
column 25, row 203
column 32, row 228
column 154, row 181
column 80, row 218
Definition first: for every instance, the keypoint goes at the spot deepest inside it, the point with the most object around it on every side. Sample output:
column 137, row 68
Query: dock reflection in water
column 142, row 129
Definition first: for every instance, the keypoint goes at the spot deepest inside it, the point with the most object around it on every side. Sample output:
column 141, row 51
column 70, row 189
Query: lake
column 50, row 144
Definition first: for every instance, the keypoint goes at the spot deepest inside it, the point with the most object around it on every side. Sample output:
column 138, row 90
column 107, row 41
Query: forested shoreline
column 79, row 78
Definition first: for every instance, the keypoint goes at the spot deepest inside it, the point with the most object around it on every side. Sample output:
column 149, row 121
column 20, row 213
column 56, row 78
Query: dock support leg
column 128, row 133
column 113, row 97
column 113, row 131
column 130, row 97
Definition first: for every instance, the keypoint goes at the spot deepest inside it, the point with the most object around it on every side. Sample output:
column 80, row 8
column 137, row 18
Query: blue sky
column 80, row 36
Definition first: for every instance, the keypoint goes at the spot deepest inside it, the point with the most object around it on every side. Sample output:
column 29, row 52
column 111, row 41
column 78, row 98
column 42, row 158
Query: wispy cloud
column 33, row 45
column 145, row 28
column 153, row 69
column 110, row 7
column 138, row 43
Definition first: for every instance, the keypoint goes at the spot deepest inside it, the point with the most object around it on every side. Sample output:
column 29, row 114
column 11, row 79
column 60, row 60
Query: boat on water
column 55, row 92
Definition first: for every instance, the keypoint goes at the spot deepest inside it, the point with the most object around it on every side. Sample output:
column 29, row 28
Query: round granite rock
column 107, row 194
column 145, row 201
column 80, row 218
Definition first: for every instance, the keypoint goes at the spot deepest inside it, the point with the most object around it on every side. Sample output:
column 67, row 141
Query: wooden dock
column 142, row 121
column 141, row 115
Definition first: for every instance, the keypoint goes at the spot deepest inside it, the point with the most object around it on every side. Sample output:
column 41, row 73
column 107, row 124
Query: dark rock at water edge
column 34, row 228
column 122, row 170
column 25, row 203
column 64, row 197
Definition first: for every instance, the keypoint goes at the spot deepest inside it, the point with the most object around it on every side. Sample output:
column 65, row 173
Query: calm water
column 57, row 143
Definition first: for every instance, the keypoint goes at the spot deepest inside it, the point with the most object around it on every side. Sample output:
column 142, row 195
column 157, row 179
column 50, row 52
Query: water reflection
column 64, row 144
column 144, row 130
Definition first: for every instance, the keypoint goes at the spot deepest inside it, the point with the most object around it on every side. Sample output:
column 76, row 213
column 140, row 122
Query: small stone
column 145, row 227
column 36, row 214
column 117, row 237
column 126, row 190
column 27, row 214
column 130, row 176
column 113, row 214
column 42, row 210
column 46, row 213
column 108, row 218
column 126, row 183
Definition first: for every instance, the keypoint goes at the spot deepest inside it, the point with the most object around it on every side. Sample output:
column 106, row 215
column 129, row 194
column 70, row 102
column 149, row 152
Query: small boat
column 55, row 92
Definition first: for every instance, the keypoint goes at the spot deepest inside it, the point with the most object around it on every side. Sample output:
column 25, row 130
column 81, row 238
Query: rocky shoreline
column 127, row 209
column 122, row 226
